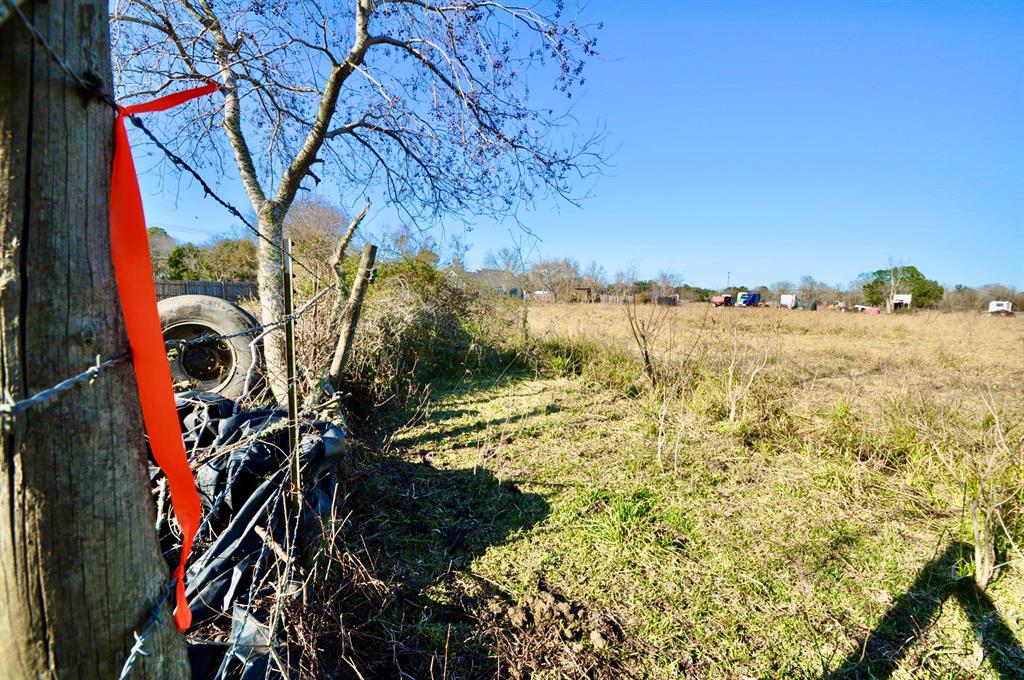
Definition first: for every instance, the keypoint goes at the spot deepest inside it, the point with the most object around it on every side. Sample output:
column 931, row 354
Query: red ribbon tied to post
column 133, row 270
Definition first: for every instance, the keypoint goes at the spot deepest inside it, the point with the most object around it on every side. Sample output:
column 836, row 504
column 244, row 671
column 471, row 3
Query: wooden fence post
column 80, row 567
column 350, row 317
column 289, row 348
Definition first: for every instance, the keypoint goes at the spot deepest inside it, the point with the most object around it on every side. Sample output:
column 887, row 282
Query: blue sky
column 773, row 140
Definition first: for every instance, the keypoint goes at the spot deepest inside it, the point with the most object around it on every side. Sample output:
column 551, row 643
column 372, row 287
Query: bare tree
column 80, row 567
column 646, row 323
column 893, row 286
column 513, row 272
column 594, row 277
column 781, row 288
column 454, row 253
column 621, row 284
column 667, row 283
column 504, row 264
column 425, row 100
column 558, row 276
column 523, row 244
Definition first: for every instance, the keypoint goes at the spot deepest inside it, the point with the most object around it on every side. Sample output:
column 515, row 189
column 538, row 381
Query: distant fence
column 232, row 291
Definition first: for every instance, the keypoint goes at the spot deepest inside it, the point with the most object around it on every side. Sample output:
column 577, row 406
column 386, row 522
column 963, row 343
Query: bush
column 604, row 365
column 420, row 324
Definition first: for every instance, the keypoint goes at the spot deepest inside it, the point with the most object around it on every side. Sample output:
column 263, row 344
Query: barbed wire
column 93, row 88
column 155, row 617
column 258, row 328
column 208, row 190
column 90, row 88
column 88, row 375
column 155, row 614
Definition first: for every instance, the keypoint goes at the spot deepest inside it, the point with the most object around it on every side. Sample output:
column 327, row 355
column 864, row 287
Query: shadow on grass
column 425, row 517
column 878, row 655
column 420, row 527
column 438, row 433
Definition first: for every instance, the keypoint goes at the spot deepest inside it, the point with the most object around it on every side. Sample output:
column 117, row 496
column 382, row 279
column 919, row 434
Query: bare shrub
column 732, row 368
column 646, row 322
column 987, row 462
column 744, row 368
column 418, row 324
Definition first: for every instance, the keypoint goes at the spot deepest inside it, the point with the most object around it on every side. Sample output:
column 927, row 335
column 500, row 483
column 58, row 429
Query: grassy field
column 792, row 499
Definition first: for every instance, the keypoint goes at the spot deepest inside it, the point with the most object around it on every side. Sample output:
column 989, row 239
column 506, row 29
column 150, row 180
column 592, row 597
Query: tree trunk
column 524, row 318
column 79, row 563
column 270, row 284
column 350, row 317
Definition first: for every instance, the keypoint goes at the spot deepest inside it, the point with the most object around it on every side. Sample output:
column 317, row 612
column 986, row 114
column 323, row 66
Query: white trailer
column 1000, row 307
column 788, row 301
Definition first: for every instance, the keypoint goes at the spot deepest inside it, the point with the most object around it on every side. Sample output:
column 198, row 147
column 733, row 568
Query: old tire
column 219, row 366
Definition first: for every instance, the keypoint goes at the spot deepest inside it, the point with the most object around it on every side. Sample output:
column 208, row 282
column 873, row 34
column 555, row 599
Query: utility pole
column 80, row 567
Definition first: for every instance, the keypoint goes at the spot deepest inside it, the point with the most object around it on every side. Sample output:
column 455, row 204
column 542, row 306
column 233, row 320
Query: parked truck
column 902, row 301
column 748, row 299
column 721, row 300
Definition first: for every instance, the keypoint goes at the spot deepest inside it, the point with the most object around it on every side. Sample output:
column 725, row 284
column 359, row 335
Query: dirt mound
column 547, row 632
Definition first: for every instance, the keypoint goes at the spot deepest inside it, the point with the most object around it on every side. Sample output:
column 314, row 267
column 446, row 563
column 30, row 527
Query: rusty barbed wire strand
column 258, row 328
column 88, row 375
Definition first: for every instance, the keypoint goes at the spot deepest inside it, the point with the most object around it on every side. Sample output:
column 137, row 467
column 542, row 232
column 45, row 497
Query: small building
column 582, row 294
column 902, row 300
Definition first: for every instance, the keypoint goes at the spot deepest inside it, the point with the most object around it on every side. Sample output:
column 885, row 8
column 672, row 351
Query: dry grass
column 811, row 531
column 878, row 368
column 853, row 353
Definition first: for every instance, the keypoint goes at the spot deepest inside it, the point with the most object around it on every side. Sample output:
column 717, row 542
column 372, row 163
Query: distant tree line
column 222, row 259
column 505, row 273
column 315, row 226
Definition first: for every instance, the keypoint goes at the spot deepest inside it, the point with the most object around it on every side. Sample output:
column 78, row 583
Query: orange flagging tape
column 134, row 272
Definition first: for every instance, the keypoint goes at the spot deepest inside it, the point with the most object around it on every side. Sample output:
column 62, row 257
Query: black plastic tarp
column 249, row 528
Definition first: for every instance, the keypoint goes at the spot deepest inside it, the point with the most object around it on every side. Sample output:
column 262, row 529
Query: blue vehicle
column 746, row 299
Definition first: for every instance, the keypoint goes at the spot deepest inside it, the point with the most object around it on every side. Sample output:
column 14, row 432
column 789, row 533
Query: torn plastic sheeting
column 241, row 470
column 215, row 576
column 246, row 655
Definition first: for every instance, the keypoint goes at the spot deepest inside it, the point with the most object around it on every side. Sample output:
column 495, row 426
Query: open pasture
column 793, row 498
